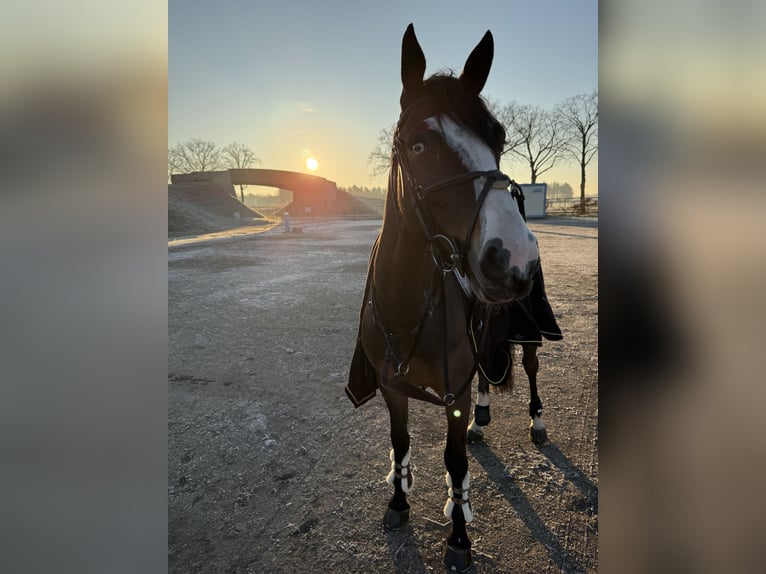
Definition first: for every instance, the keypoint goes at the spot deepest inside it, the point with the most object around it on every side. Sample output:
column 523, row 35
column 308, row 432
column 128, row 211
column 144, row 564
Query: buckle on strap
column 444, row 253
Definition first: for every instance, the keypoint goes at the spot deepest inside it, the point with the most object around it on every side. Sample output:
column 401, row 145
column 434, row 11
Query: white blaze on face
column 499, row 216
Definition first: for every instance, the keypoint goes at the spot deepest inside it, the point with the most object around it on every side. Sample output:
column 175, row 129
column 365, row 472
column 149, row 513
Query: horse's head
column 446, row 153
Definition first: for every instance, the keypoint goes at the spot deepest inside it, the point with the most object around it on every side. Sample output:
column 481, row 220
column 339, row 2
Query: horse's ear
column 477, row 66
column 413, row 64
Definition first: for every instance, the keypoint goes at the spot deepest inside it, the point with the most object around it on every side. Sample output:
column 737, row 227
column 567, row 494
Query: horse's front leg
column 398, row 511
column 457, row 553
column 537, row 431
column 481, row 416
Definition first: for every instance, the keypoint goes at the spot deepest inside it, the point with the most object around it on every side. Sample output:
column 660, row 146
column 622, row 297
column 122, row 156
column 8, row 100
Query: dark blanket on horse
column 362, row 382
column 523, row 322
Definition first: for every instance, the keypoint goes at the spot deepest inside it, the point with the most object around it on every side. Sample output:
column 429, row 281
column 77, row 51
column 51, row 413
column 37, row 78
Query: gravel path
column 271, row 469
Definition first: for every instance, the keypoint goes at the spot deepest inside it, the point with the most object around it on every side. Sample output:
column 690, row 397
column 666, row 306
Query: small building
column 534, row 199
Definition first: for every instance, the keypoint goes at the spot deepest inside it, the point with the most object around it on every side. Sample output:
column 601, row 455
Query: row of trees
column 556, row 191
column 559, row 191
column 365, row 191
column 202, row 155
column 535, row 136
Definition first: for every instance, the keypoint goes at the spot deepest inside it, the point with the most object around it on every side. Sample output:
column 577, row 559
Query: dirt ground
column 270, row 467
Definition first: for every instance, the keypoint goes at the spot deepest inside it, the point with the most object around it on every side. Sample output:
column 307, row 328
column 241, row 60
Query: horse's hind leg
column 457, row 552
column 537, row 431
column 481, row 416
column 398, row 511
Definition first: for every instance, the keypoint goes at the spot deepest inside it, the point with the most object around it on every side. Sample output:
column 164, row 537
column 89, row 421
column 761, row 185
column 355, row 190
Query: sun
column 311, row 164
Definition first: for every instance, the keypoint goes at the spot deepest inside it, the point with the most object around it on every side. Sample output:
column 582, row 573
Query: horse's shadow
column 514, row 494
column 573, row 474
column 404, row 548
column 405, row 553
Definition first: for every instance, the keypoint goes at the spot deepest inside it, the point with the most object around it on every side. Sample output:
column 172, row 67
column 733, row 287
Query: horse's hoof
column 395, row 519
column 481, row 415
column 457, row 559
column 474, row 436
column 538, row 436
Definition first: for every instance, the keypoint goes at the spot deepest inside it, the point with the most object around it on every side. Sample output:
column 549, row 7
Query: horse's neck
column 403, row 275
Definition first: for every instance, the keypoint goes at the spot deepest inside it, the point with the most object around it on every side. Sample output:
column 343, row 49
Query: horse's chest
column 417, row 352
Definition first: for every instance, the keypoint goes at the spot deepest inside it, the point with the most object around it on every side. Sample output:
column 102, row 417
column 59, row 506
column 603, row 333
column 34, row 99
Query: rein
column 447, row 259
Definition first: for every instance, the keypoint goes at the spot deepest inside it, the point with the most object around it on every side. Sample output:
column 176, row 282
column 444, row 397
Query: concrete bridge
column 312, row 195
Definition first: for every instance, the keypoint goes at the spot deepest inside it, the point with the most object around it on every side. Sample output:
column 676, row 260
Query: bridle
column 446, row 256
column 444, row 249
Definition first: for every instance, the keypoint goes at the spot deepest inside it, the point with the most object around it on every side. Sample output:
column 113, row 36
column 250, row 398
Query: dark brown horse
column 453, row 244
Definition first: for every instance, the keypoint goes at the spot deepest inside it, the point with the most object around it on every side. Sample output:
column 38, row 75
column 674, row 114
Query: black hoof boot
column 457, row 559
column 481, row 415
column 538, row 436
column 395, row 519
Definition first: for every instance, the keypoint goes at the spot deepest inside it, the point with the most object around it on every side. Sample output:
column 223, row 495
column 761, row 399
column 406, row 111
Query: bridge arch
column 312, row 195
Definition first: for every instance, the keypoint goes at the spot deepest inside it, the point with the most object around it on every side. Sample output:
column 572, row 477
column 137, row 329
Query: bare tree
column 580, row 117
column 174, row 162
column 194, row 155
column 239, row 156
column 538, row 138
column 380, row 157
column 507, row 115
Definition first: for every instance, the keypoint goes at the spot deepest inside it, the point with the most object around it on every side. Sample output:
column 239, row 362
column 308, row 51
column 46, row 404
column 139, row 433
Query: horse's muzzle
column 498, row 280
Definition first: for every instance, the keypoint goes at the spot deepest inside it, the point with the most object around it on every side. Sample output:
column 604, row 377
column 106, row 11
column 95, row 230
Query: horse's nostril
column 495, row 260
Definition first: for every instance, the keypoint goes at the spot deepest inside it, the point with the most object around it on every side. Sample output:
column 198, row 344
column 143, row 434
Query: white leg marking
column 473, row 427
column 482, row 399
column 537, row 423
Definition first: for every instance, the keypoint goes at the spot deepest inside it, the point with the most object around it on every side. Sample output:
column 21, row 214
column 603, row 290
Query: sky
column 291, row 78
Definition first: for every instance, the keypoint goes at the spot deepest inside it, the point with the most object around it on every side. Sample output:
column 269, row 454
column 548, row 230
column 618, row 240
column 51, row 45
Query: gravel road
column 271, row 469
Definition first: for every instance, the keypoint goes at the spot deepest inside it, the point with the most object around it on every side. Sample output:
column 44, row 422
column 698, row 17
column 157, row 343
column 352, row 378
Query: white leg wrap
column 407, row 478
column 451, row 496
column 537, row 423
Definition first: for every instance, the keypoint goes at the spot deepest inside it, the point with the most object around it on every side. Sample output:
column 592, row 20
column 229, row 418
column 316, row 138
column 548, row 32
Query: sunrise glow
column 311, row 164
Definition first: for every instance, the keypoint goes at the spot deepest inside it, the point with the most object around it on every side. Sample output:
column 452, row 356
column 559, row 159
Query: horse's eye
column 418, row 148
